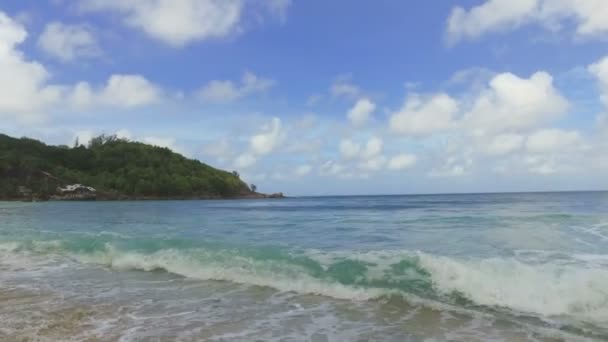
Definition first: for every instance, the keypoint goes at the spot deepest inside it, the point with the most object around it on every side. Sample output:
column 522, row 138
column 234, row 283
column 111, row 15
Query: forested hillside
column 117, row 168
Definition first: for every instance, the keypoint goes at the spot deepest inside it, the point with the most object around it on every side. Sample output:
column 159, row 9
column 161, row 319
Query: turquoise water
column 504, row 267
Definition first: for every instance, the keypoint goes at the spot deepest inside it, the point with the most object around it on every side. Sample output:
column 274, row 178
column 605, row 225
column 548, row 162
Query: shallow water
column 493, row 267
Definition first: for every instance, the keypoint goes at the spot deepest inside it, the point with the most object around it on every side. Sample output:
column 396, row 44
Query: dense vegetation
column 115, row 167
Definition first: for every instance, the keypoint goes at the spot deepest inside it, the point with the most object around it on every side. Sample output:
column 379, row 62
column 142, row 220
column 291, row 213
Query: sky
column 315, row 97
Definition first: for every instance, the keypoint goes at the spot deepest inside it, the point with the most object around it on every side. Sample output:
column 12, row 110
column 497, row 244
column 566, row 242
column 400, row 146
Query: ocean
column 474, row 267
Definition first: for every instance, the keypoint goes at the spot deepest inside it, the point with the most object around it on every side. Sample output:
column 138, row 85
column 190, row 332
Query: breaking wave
column 549, row 289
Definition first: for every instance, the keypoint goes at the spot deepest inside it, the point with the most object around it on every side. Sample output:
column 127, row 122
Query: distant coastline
column 113, row 198
column 108, row 168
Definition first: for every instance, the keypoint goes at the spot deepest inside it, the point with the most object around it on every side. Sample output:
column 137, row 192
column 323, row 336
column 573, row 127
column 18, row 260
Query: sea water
column 479, row 267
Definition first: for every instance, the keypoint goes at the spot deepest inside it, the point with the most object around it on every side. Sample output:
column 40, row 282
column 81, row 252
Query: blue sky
column 317, row 97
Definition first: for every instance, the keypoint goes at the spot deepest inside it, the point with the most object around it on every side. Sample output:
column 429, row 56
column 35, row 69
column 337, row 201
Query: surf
column 546, row 289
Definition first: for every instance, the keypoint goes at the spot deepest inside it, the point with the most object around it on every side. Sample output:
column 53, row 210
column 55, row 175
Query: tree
column 254, row 187
column 112, row 166
column 236, row 174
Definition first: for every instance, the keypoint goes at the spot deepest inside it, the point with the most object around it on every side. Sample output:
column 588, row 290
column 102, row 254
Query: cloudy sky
column 316, row 97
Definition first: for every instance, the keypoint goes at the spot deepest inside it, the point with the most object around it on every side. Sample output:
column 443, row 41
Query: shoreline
column 120, row 198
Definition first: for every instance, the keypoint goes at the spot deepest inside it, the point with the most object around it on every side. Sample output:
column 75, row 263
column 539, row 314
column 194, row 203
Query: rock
column 276, row 195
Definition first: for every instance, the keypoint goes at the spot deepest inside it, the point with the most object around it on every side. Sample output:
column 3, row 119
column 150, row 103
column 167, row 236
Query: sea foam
column 547, row 289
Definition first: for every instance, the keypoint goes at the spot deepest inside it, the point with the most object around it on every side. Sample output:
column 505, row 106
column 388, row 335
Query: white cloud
column 244, row 161
column 124, row 134
column 68, row 42
column 504, row 144
column 260, row 144
column 349, row 149
column 220, row 150
column 504, row 15
column 600, row 71
column 160, row 141
column 541, row 165
column 166, row 142
column 373, row 164
column 361, row 112
column 24, row 90
column 368, row 157
column 27, row 95
column 303, row 170
column 590, row 15
column 402, row 161
column 306, row 146
column 453, row 166
column 492, row 15
column 373, row 148
column 331, row 167
column 553, row 140
column 227, row 91
column 266, row 142
column 125, row 91
column 343, row 87
column 175, row 22
column 181, row 22
column 514, row 103
column 424, row 116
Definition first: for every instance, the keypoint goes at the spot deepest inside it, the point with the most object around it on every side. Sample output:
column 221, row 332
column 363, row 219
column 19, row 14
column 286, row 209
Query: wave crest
column 547, row 289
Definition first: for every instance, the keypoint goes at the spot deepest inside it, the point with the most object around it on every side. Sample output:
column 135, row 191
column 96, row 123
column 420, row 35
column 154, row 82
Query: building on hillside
column 77, row 191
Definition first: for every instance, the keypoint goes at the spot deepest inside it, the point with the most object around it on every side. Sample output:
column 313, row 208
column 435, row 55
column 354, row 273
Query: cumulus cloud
column 125, row 91
column 27, row 95
column 245, row 160
column 181, row 22
column 492, row 15
column 421, row 116
column 402, row 161
column 68, row 42
column 503, row 15
column 373, row 148
column 349, row 149
column 541, row 165
column 227, row 91
column 261, row 144
column 221, row 150
column 504, row 144
column 453, row 166
column 599, row 70
column 25, row 92
column 266, row 142
column 514, row 103
column 361, row 112
column 367, row 157
column 124, row 134
column 167, row 142
column 331, row 167
column 303, row 170
column 553, row 140
column 344, row 87
column 373, row 163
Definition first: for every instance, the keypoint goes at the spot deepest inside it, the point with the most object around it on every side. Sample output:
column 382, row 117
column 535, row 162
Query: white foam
column 546, row 289
column 243, row 270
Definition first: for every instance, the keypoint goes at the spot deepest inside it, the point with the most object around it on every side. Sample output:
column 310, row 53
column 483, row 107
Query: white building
column 76, row 188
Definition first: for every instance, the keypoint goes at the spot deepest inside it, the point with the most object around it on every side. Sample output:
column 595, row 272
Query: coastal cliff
column 114, row 169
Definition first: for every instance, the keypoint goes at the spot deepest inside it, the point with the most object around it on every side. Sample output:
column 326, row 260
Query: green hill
column 117, row 168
